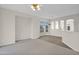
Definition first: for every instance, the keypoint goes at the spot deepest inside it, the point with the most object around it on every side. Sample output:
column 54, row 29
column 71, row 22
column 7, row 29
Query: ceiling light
column 35, row 7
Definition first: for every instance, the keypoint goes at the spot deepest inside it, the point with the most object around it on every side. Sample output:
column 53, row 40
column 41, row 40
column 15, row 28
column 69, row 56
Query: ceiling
column 46, row 11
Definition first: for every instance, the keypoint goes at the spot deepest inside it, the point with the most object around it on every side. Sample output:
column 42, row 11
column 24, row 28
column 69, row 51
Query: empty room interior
column 39, row 29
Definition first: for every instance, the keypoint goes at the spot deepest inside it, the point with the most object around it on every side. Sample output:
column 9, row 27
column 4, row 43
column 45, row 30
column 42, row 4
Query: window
column 70, row 25
column 43, row 26
column 62, row 25
column 56, row 25
column 52, row 25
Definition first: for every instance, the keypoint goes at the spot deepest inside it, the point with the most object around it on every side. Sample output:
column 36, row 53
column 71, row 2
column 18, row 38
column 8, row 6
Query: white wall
column 27, row 26
column 22, row 27
column 71, row 39
column 7, row 27
column 56, row 33
column 35, row 28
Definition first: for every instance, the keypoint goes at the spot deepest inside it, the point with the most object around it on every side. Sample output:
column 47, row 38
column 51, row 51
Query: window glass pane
column 52, row 25
column 70, row 25
column 62, row 25
column 56, row 25
column 44, row 26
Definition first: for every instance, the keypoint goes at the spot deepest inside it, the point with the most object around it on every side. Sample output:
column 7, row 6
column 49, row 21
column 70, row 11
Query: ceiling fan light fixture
column 35, row 7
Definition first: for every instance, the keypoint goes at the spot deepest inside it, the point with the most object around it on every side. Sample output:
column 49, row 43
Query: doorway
column 44, row 27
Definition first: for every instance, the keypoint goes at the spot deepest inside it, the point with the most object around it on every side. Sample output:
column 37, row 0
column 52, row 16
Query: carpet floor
column 35, row 47
column 55, row 40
